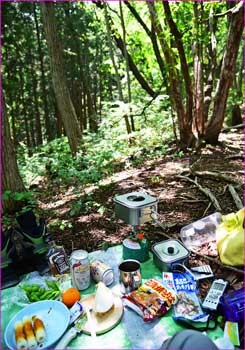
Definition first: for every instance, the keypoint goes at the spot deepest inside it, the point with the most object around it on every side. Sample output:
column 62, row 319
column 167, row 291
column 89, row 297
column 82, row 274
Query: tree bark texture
column 65, row 105
column 227, row 74
column 49, row 132
column 212, row 50
column 11, row 179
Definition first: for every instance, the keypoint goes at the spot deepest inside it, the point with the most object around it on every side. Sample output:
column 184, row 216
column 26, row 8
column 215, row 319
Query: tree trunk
column 152, row 35
column 108, row 30
column 141, row 80
column 59, row 127
column 66, row 107
column 212, row 64
column 236, row 117
column 198, row 122
column 227, row 73
column 127, row 65
column 48, row 127
column 139, row 77
column 11, row 179
column 23, row 112
column 184, row 125
column 38, row 127
column 93, row 125
column 184, row 66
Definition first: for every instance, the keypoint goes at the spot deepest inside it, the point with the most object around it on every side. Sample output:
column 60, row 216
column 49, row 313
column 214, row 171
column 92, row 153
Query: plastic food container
column 168, row 253
column 232, row 305
column 200, row 232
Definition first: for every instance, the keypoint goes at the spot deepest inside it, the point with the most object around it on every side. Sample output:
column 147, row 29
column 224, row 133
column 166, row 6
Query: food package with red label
column 151, row 300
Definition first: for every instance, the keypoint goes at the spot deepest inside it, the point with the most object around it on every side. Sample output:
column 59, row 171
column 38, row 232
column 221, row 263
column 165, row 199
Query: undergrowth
column 101, row 154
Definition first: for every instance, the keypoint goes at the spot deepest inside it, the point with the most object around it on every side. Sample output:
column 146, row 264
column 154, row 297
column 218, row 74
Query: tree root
column 204, row 190
column 235, row 197
column 216, row 176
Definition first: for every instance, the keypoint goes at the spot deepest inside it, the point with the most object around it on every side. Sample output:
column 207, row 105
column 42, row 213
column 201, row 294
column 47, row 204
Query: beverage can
column 101, row 272
column 80, row 270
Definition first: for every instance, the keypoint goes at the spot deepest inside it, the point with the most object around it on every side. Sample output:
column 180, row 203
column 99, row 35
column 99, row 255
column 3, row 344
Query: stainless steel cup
column 130, row 275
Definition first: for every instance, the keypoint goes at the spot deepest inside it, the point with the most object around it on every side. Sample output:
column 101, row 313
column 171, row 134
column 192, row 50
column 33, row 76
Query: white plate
column 54, row 314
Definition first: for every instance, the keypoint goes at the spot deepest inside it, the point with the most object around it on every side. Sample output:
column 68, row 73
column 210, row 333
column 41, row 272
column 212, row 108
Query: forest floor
column 93, row 224
column 180, row 201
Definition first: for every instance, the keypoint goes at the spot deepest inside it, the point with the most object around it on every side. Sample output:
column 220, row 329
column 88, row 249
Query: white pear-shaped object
column 103, row 299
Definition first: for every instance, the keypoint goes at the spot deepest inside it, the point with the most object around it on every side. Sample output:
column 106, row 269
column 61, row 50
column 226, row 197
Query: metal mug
column 130, row 275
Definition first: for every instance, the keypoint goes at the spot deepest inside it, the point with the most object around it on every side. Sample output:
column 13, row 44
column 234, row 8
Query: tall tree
column 227, row 73
column 62, row 94
column 49, row 132
column 119, row 85
column 127, row 65
column 11, row 179
column 184, row 122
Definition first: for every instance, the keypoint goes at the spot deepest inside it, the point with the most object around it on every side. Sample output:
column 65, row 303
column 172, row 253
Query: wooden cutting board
column 102, row 324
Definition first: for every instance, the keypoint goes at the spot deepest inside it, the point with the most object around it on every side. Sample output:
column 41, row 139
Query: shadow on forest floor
column 180, row 202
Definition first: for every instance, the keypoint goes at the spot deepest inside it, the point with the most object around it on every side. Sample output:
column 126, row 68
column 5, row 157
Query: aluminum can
column 80, row 270
column 101, row 272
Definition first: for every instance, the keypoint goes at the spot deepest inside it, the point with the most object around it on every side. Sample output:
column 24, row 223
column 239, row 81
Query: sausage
column 29, row 335
column 39, row 329
column 20, row 340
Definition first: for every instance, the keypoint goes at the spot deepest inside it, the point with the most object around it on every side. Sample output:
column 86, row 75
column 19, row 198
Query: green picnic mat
column 131, row 332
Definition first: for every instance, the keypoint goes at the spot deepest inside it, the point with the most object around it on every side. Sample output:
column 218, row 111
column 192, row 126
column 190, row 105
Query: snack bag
column 151, row 300
column 188, row 305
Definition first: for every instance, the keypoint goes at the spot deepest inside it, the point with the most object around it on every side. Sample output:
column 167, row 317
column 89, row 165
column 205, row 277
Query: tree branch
column 235, row 197
column 204, row 190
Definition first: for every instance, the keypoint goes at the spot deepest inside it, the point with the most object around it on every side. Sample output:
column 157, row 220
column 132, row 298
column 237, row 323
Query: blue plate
column 54, row 314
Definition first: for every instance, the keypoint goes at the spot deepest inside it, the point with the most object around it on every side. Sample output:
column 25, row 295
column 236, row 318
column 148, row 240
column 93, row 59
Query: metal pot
column 168, row 253
column 135, row 208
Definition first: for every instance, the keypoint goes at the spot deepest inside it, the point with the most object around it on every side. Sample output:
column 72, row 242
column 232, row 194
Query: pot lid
column 170, row 250
column 135, row 200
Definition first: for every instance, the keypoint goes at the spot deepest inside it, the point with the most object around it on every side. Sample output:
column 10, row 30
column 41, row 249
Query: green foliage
column 75, row 208
column 27, row 200
column 178, row 154
column 27, row 197
column 102, row 153
column 61, row 224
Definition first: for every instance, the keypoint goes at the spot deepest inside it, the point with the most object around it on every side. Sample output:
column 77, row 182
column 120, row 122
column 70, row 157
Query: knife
column 71, row 333
column 90, row 322
column 76, row 313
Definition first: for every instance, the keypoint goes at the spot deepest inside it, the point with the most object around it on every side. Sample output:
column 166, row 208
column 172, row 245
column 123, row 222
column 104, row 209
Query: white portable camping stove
column 135, row 208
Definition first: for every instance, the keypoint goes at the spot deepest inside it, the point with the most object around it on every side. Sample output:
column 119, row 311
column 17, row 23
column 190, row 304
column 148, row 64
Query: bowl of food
column 36, row 326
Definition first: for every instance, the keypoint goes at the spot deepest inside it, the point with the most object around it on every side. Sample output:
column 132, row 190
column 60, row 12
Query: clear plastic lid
column 201, row 231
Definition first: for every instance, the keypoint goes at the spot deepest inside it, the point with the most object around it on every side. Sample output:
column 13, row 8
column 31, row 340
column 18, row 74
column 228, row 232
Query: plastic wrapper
column 152, row 299
column 188, row 304
column 19, row 296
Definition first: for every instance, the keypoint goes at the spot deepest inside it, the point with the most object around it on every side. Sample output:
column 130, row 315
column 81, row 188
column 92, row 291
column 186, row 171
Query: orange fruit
column 70, row 296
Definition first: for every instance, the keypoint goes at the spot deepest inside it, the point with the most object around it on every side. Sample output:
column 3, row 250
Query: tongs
column 77, row 328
